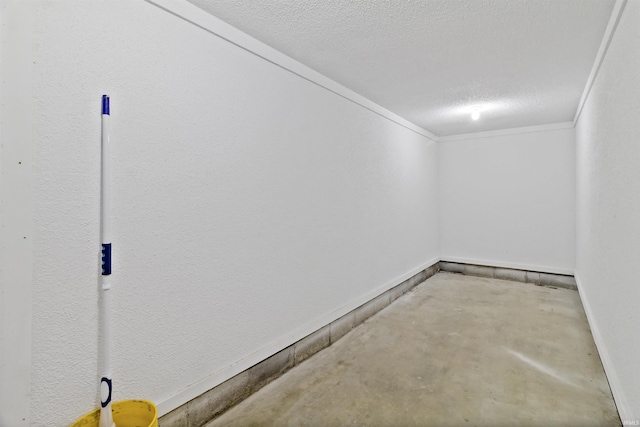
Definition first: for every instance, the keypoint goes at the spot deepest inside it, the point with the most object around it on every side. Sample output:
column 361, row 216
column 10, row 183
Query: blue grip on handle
column 106, row 259
column 105, row 105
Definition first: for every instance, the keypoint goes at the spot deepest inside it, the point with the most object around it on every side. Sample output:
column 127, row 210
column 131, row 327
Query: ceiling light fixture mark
column 475, row 112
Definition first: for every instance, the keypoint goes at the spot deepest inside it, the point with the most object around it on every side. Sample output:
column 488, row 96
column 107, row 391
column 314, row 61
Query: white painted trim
column 514, row 265
column 609, row 369
column 618, row 8
column 198, row 17
column 16, row 211
column 281, row 343
column 505, row 132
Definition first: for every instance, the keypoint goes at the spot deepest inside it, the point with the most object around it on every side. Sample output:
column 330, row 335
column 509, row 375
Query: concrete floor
column 456, row 351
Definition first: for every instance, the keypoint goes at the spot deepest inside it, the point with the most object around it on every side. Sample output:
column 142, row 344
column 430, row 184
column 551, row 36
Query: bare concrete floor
column 456, row 351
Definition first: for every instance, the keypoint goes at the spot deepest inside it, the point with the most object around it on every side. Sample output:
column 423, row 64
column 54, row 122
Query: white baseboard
column 281, row 343
column 614, row 383
column 506, row 264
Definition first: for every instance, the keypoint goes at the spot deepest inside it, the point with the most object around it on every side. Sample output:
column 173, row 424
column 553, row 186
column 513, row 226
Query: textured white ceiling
column 525, row 61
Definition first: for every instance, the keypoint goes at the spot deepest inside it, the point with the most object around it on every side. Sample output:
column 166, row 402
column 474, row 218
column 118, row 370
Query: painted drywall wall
column 16, row 189
column 507, row 199
column 250, row 206
column 608, row 211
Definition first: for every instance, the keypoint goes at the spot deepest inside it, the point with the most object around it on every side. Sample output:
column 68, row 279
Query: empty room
column 319, row 213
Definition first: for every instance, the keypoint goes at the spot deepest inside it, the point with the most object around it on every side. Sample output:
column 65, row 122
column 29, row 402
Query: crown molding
column 618, row 8
column 215, row 26
column 504, row 132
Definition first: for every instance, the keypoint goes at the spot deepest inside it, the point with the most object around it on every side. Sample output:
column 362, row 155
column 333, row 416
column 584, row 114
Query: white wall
column 16, row 210
column 507, row 199
column 608, row 211
column 250, row 206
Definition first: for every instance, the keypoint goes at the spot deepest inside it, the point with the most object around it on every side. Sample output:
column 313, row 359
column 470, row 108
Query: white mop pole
column 106, row 385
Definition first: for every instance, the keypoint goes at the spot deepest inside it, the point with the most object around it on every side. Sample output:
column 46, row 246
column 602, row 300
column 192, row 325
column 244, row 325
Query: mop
column 127, row 413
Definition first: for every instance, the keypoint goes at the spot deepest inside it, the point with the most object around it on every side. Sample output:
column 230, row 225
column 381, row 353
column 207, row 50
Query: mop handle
column 106, row 385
